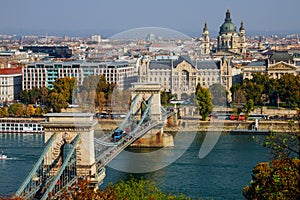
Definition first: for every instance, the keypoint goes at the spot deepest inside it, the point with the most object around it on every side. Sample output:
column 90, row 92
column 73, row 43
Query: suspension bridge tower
column 149, row 95
column 67, row 126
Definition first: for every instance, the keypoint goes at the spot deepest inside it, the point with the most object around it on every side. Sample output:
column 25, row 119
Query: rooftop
column 11, row 71
column 278, row 56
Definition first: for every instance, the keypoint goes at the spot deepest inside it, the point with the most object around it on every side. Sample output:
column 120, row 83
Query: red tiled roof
column 7, row 71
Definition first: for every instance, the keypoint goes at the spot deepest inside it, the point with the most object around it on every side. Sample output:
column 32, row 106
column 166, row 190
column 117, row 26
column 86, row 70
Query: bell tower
column 205, row 40
column 242, row 39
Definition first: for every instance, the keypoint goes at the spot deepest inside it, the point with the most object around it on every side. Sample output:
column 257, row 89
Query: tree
column 38, row 112
column 34, row 95
column 4, row 111
column 249, row 107
column 204, row 101
column 289, row 89
column 65, row 86
column 56, row 102
column 131, row 189
column 30, row 110
column 21, row 110
column 17, row 110
column 285, row 145
column 100, row 101
column 44, row 93
column 253, row 91
column 25, row 96
column 276, row 180
column 219, row 94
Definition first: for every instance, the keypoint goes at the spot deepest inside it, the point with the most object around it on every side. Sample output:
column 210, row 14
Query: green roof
column 227, row 26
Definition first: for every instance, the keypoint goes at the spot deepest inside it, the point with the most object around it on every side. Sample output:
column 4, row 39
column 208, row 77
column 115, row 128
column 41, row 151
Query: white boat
column 2, row 156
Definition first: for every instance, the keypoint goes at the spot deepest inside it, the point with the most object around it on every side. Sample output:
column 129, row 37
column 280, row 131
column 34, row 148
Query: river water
column 220, row 175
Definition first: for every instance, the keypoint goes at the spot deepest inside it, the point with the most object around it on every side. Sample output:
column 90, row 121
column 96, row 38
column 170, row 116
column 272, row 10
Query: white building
column 43, row 74
column 10, row 83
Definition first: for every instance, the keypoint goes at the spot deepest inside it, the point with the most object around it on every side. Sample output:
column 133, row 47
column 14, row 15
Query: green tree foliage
column 25, row 96
column 219, row 94
column 249, row 107
column 124, row 190
column 204, row 101
column 235, row 87
column 56, row 102
column 4, row 111
column 65, row 86
column 253, row 91
column 262, row 89
column 289, row 90
column 276, row 180
column 17, row 109
column 33, row 96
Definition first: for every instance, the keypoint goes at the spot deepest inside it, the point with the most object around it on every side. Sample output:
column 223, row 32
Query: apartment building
column 43, row 74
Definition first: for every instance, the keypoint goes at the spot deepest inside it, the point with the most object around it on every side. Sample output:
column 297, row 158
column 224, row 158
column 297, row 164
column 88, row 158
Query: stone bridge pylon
column 66, row 126
column 149, row 95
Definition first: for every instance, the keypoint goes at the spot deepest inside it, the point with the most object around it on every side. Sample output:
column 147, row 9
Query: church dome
column 227, row 26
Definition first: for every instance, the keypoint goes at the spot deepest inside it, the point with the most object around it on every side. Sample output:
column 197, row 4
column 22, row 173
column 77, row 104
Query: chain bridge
column 72, row 152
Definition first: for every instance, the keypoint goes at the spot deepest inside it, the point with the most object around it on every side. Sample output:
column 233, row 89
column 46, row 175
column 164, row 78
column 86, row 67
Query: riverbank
column 195, row 125
column 185, row 125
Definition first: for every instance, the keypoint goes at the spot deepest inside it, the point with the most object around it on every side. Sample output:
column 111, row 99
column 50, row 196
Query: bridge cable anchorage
column 32, row 173
column 63, row 167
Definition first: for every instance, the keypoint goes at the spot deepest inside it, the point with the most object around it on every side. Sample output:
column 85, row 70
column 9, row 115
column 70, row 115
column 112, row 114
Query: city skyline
column 110, row 17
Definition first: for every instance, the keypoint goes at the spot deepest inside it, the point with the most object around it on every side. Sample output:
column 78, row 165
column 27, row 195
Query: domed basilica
column 229, row 40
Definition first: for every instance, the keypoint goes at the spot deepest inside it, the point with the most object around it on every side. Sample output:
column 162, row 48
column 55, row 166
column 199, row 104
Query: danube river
column 220, row 175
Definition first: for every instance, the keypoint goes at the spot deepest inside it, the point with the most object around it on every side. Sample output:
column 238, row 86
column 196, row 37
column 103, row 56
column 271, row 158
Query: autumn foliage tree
column 124, row 190
column 278, row 179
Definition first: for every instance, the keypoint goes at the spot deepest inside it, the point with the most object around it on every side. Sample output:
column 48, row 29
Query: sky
column 108, row 17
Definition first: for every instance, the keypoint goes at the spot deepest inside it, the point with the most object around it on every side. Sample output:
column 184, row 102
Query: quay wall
column 197, row 125
column 188, row 125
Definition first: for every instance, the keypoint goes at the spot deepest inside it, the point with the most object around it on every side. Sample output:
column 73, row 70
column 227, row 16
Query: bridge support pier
column 155, row 137
column 66, row 126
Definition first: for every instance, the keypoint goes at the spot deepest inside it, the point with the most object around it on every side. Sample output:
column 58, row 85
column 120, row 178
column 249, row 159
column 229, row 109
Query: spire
column 205, row 27
column 227, row 19
column 242, row 26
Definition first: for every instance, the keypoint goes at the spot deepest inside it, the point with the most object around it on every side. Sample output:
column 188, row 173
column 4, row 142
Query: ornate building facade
column 229, row 40
column 278, row 64
column 180, row 76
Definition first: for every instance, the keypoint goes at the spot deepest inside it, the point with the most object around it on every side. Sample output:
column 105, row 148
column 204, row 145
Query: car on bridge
column 117, row 135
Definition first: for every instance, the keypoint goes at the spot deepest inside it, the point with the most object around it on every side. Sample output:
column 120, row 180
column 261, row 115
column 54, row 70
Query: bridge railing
column 112, row 151
column 33, row 180
column 66, row 175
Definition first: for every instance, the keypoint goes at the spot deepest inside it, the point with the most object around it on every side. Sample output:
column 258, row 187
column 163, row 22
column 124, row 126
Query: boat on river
column 2, row 156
